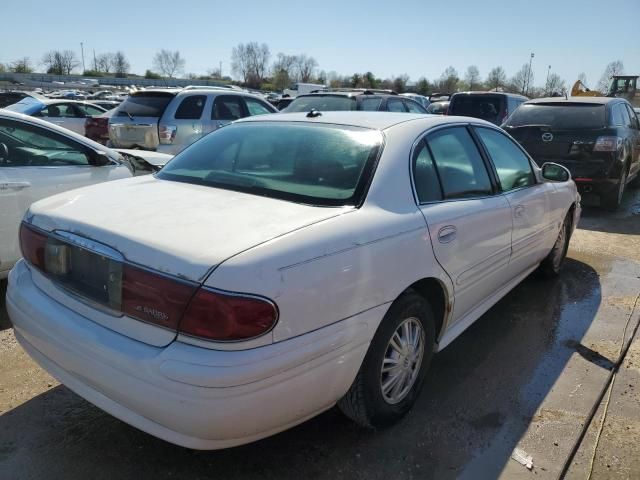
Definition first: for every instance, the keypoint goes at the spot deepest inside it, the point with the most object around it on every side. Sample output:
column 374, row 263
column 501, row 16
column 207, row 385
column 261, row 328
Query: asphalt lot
column 524, row 376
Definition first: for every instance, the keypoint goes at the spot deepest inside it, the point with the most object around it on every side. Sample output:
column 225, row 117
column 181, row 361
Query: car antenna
column 313, row 113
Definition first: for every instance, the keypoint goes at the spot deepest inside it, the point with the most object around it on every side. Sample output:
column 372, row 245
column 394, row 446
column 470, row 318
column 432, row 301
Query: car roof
column 483, row 92
column 349, row 93
column 561, row 100
column 372, row 120
column 218, row 91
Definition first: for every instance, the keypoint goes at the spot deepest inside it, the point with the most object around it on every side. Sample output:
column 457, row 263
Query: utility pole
column 546, row 85
column 529, row 73
column 82, row 51
column 220, row 71
column 95, row 62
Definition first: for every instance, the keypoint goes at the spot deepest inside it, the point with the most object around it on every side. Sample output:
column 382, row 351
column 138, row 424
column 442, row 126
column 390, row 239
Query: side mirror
column 555, row 173
column 100, row 159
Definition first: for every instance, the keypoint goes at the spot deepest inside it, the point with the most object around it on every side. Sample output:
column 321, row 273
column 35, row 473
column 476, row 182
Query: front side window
column 227, row 107
column 317, row 164
column 460, row 166
column 425, row 177
column 191, row 108
column 64, row 110
column 30, row 146
column 256, row 107
column 512, row 165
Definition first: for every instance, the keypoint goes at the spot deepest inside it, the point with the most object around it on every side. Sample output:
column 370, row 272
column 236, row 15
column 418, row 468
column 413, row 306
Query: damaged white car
column 39, row 159
column 281, row 265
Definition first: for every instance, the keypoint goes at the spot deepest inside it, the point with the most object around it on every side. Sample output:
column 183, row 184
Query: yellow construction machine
column 625, row 86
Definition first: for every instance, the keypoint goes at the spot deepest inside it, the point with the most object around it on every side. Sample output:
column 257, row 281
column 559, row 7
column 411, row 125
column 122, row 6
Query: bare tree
column 251, row 62
column 448, row 80
column 555, row 85
column 472, row 77
column 168, row 63
column 522, row 79
column 284, row 63
column 120, row 64
column 305, row 66
column 400, row 83
column 60, row 62
column 613, row 68
column 104, row 62
column 22, row 65
column 496, row 79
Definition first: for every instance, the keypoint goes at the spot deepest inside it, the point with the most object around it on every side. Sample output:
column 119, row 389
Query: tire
column 366, row 403
column 552, row 264
column 635, row 183
column 611, row 200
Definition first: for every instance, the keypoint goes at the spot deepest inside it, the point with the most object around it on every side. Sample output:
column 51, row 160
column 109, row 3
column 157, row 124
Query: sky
column 417, row 38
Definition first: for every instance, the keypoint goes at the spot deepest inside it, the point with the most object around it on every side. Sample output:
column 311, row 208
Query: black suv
column 494, row 107
column 354, row 99
column 596, row 138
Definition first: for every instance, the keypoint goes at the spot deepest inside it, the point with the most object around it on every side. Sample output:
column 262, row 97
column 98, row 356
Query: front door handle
column 447, row 234
column 14, row 185
column 518, row 211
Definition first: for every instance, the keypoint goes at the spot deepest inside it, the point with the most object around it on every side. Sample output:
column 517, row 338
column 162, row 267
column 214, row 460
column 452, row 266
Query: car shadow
column 626, row 220
column 478, row 399
column 4, row 317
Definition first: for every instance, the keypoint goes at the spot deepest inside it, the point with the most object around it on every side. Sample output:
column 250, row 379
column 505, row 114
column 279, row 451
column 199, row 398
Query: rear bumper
column 598, row 186
column 190, row 396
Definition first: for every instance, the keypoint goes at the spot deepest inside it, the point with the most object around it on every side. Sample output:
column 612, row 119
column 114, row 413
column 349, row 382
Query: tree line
column 254, row 66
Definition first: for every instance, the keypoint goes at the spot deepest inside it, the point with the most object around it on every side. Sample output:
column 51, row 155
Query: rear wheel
column 552, row 264
column 612, row 200
column 395, row 365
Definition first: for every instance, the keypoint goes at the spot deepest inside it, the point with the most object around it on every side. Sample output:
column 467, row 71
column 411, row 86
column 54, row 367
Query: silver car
column 169, row 120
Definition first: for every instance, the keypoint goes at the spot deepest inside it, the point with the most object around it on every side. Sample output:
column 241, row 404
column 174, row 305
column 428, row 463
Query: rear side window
column 413, row 107
column 394, row 105
column 227, row 107
column 191, row 108
column 460, row 166
column 620, row 116
column 486, row 107
column 512, row 165
column 425, row 177
column 369, row 104
column 90, row 109
column 256, row 107
column 633, row 117
column 559, row 115
column 145, row 104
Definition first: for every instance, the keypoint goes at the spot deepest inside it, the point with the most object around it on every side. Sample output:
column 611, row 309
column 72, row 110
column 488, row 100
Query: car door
column 187, row 120
column 224, row 110
column 469, row 223
column 37, row 163
column 634, row 132
column 534, row 228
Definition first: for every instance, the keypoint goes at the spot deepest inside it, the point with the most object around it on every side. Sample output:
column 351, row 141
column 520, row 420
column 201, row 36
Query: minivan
column 494, row 107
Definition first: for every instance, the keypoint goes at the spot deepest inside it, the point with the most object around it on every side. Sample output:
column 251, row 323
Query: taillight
column 154, row 298
column 215, row 315
column 167, row 133
column 607, row 144
column 33, row 244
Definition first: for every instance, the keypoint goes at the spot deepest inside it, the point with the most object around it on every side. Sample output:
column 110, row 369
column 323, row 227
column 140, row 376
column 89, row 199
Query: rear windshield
column 323, row 103
column 559, row 115
column 145, row 104
column 486, row 107
column 316, row 164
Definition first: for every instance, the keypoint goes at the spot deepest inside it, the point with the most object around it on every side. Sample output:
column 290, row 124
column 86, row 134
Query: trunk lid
column 173, row 228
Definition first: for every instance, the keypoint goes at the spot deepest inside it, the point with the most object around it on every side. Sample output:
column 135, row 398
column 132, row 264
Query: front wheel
column 395, row 365
column 551, row 265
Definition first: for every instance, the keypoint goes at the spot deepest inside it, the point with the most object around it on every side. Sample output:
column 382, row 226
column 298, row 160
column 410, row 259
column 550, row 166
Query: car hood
column 176, row 228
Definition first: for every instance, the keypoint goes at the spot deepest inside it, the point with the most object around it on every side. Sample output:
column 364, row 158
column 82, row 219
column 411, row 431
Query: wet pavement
column 524, row 376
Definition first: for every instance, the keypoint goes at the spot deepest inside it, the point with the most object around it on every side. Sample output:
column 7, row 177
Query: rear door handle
column 447, row 234
column 518, row 211
column 14, row 185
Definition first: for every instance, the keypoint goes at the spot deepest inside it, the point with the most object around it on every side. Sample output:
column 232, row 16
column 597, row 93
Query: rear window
column 486, row 107
column 145, row 104
column 323, row 103
column 559, row 115
column 314, row 164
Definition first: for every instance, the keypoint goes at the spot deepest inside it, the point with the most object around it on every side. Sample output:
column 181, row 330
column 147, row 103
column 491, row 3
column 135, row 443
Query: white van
column 302, row 88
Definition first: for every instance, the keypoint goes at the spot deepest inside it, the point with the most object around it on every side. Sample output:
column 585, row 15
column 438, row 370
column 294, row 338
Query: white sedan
column 281, row 265
column 71, row 114
column 38, row 159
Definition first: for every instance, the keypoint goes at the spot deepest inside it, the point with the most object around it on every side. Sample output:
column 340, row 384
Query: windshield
column 314, row 164
column 323, row 103
column 486, row 107
column 148, row 104
column 559, row 115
